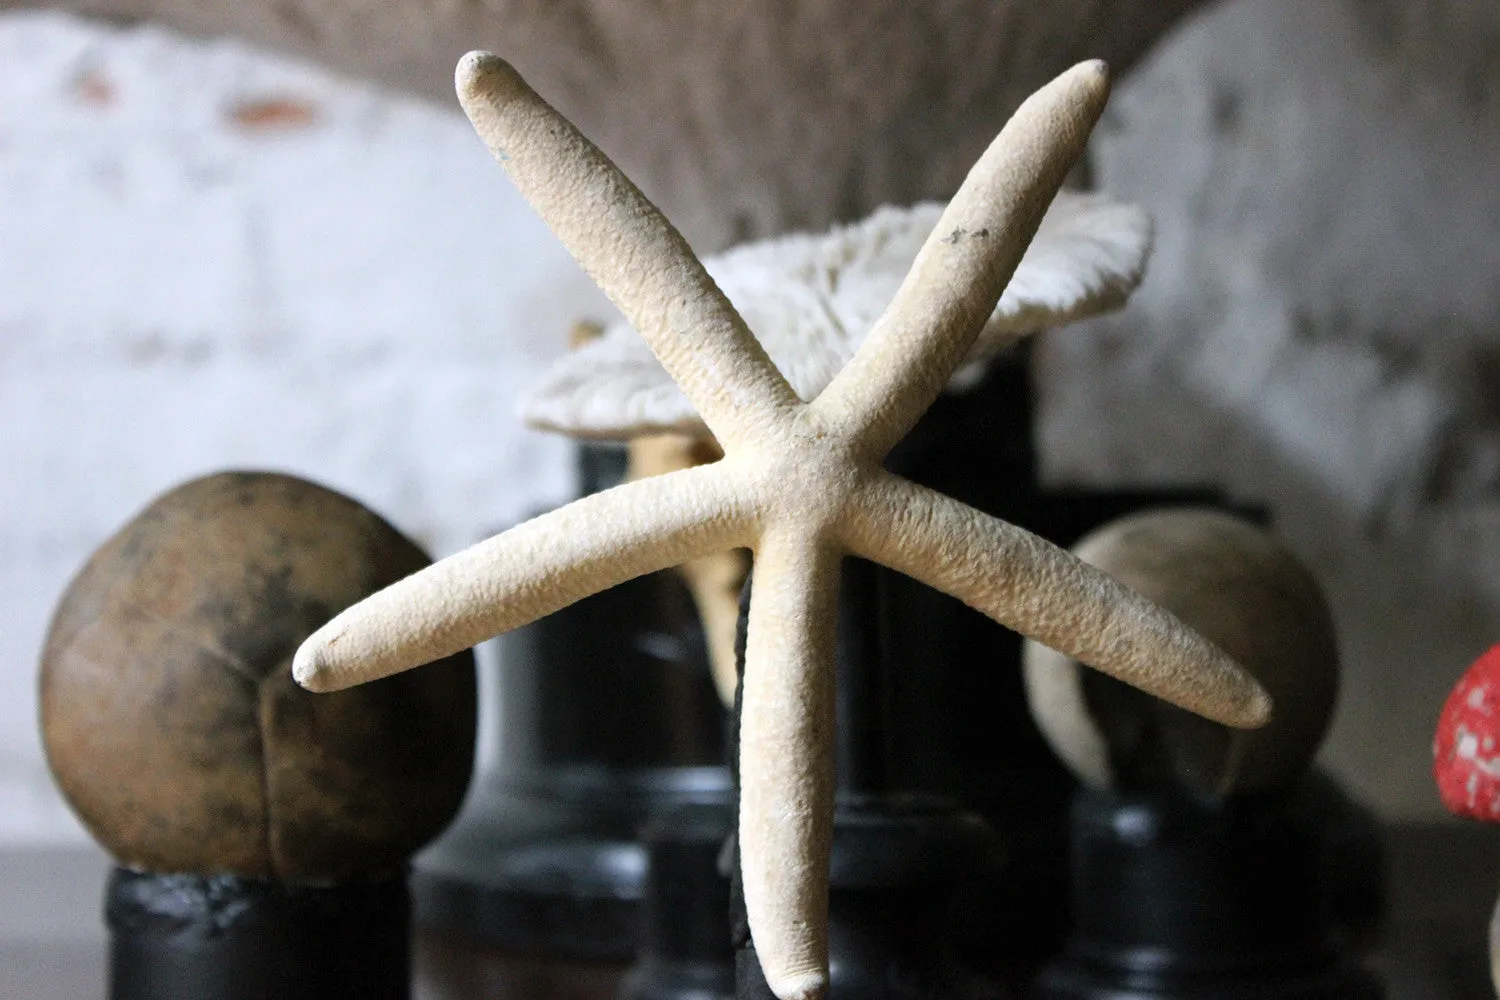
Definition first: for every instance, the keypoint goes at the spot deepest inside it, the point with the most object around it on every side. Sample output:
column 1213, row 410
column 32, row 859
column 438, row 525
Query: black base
column 554, row 868
column 686, row 952
column 1081, row 983
column 607, row 719
column 895, row 862
column 1176, row 899
column 221, row 937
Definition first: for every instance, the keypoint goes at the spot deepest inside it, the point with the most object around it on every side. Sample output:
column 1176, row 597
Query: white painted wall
column 1320, row 328
column 359, row 298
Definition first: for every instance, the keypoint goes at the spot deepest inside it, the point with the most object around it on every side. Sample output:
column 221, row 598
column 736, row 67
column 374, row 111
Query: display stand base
column 1176, row 899
column 221, row 937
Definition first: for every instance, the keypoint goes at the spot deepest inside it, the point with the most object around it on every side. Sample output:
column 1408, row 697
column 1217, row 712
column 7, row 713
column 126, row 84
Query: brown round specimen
column 169, row 712
column 1243, row 590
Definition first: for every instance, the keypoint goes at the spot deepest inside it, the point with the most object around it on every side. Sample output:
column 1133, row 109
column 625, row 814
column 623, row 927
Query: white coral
column 812, row 299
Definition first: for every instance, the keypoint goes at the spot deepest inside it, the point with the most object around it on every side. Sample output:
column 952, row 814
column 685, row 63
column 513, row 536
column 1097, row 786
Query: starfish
column 800, row 485
column 810, row 299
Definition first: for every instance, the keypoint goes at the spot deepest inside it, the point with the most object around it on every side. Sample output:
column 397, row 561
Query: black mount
column 222, row 937
column 608, row 718
column 685, row 948
column 1180, row 899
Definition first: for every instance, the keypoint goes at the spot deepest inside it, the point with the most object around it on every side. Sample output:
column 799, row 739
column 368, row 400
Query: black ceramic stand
column 945, row 713
column 194, row 937
column 685, row 946
column 608, row 718
column 896, row 863
column 897, row 852
column 1176, row 899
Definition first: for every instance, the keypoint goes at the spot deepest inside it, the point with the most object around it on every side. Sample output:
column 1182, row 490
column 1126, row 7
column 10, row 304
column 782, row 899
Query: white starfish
column 801, row 484
column 810, row 300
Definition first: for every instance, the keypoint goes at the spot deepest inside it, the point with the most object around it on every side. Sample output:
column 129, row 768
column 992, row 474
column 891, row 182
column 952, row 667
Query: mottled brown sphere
column 169, row 713
column 1243, row 590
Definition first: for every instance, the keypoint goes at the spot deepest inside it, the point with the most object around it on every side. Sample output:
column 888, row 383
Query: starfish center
column 806, row 477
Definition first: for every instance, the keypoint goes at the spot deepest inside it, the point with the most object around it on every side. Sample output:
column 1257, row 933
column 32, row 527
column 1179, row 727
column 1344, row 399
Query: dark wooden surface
column 1443, row 882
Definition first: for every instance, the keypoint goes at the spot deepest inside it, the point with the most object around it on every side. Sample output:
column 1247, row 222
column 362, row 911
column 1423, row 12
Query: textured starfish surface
column 810, row 300
column 800, row 484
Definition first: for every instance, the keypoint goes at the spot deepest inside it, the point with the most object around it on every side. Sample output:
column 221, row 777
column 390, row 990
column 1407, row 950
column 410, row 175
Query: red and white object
column 1466, row 748
column 1466, row 759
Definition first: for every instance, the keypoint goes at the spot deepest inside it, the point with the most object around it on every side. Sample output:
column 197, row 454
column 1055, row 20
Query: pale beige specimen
column 810, row 300
column 714, row 580
column 800, row 485
column 1241, row 587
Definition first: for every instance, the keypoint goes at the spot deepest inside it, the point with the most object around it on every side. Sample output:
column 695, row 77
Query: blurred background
column 213, row 255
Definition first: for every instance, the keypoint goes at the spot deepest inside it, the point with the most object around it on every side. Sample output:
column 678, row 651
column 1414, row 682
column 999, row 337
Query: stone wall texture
column 211, row 257
column 1320, row 328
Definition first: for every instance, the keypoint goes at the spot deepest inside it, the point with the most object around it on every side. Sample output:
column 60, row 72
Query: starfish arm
column 628, row 247
column 1028, row 584
column 525, row 573
column 786, row 761
column 962, row 269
